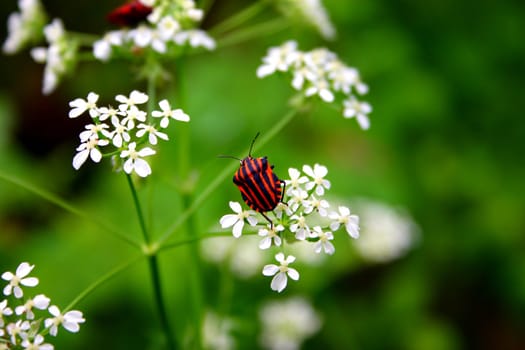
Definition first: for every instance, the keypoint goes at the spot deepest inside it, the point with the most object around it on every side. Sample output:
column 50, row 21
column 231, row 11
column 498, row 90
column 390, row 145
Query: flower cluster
column 310, row 12
column 21, row 320
column 24, row 26
column 59, row 56
column 170, row 25
column 303, row 216
column 320, row 73
column 286, row 324
column 125, row 129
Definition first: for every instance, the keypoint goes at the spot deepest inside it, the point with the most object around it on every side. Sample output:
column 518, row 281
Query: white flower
column 36, row 344
column 152, row 133
column 109, row 112
column 196, row 38
column 321, row 88
column 19, row 278
column 269, row 235
column 24, row 26
column 120, row 133
column 39, row 54
column 278, row 59
column 167, row 27
column 287, row 323
column 281, row 272
column 40, row 302
column 133, row 114
column 93, row 131
column 135, row 161
column 297, row 197
column 54, row 31
column 317, row 174
column 70, row 320
column 359, row 110
column 17, row 329
column 89, row 149
column 141, row 36
column 324, row 240
column 4, row 311
column 102, row 49
column 237, row 220
column 135, row 98
column 296, row 180
column 166, row 113
column 320, row 205
column 79, row 106
column 343, row 217
column 299, row 226
column 313, row 13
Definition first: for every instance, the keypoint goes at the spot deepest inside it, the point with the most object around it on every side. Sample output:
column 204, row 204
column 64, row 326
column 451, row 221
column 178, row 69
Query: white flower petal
column 228, row 220
column 24, row 269
column 270, row 270
column 293, row 274
column 29, row 282
column 237, row 228
column 80, row 158
column 142, row 168
column 279, row 282
column 236, row 207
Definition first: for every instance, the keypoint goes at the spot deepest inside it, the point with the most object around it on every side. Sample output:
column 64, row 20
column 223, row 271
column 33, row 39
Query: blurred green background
column 446, row 83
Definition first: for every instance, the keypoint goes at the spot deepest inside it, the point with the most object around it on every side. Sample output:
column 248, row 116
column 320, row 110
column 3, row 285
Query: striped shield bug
column 130, row 14
column 260, row 187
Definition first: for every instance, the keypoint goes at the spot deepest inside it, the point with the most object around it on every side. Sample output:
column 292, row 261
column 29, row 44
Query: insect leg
column 269, row 220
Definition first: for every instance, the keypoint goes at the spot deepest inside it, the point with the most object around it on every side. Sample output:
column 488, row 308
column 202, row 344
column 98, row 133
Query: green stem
column 101, row 281
column 238, row 19
column 52, row 198
column 259, row 30
column 228, row 170
column 194, row 268
column 140, row 214
column 194, row 239
column 153, row 263
column 157, row 289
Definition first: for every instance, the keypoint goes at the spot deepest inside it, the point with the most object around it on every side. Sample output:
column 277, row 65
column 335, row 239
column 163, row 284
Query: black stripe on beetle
column 261, row 189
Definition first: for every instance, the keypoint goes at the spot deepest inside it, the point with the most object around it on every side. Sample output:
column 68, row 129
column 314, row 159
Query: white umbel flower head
column 281, row 272
column 19, row 278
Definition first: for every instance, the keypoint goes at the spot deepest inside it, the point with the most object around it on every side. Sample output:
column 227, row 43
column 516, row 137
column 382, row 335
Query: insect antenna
column 253, row 141
column 225, row 156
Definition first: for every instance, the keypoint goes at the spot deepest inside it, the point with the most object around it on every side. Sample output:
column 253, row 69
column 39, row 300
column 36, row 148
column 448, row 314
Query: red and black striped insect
column 129, row 14
column 260, row 187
